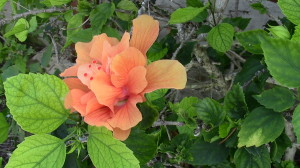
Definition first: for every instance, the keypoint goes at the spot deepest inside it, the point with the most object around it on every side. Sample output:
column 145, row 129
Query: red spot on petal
column 85, row 74
column 94, row 62
column 90, row 66
column 99, row 68
column 91, row 78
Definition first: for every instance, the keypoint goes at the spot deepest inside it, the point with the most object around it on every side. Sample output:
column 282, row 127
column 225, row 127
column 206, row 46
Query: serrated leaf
column 3, row 128
column 149, row 113
column 291, row 9
column 250, row 40
column 252, row 157
column 9, row 72
column 99, row 16
column 74, row 26
column 182, row 15
column 296, row 35
column 204, row 153
column 106, row 151
column 261, row 126
column 277, row 98
column 144, row 146
column 111, row 32
column 210, row 111
column 235, row 103
column 194, row 3
column 296, row 122
column 20, row 30
column 39, row 151
column 130, row 10
column 85, row 35
column 283, row 61
column 59, row 2
column 221, row 37
column 278, row 147
column 36, row 101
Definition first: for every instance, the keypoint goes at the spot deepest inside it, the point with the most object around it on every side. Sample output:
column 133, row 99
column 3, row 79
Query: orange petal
column 93, row 105
column 75, row 83
column 97, row 47
column 165, row 74
column 76, row 95
column 86, row 72
column 121, row 134
column 105, row 92
column 83, row 52
column 137, row 80
column 99, row 117
column 123, row 63
column 72, row 71
column 145, row 32
column 128, row 115
column 68, row 101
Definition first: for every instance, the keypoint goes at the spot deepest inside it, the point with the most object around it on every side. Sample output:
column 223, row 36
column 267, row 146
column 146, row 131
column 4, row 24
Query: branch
column 33, row 12
column 163, row 123
column 188, row 36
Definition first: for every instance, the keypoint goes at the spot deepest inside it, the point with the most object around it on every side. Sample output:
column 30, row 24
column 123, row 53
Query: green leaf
column 144, row 146
column 46, row 56
column 33, row 24
column 252, row 157
column 36, row 101
column 59, row 2
column 20, row 30
column 111, row 32
column 221, row 37
column 250, row 40
column 260, row 7
column 105, row 151
column 261, row 126
column 74, row 26
column 9, row 72
column 210, row 111
column 99, row 16
column 235, row 103
column 130, row 10
column 182, row 15
column 3, row 128
column 291, row 9
column 239, row 22
column 2, row 3
column 296, row 122
column 1, row 160
column 278, row 147
column 277, row 99
column 149, row 113
column 156, row 52
column 296, row 35
column 85, row 35
column 224, row 129
column 194, row 3
column 282, row 58
column 39, row 151
column 204, row 153
column 157, row 94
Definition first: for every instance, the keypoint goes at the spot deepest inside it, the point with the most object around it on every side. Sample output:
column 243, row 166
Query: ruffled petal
column 105, row 92
column 72, row 71
column 99, row 118
column 145, row 32
column 73, row 100
column 75, row 83
column 86, row 72
column 128, row 115
column 137, row 80
column 165, row 74
column 123, row 63
column 93, row 105
column 97, row 48
column 83, row 52
column 121, row 134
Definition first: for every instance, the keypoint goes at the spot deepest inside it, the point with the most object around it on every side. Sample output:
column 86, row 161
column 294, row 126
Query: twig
column 236, row 56
column 56, row 52
column 21, row 6
column 161, row 123
column 77, row 26
column 290, row 152
column 229, row 135
column 182, row 43
column 33, row 12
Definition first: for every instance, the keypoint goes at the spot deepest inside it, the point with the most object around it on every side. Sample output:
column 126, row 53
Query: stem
column 212, row 13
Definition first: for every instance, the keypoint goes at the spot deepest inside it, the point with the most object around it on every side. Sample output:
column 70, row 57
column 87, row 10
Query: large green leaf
column 221, row 37
column 204, row 153
column 250, row 40
column 277, row 98
column 252, row 157
column 282, row 58
column 99, row 16
column 39, row 151
column 296, row 35
column 182, row 15
column 291, row 9
column 106, row 151
column 3, row 128
column 261, row 126
column 144, row 146
column 235, row 103
column 210, row 111
column 36, row 101
column 296, row 122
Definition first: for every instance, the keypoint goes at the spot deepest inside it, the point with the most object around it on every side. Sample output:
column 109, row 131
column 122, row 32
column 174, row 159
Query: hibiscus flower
column 110, row 77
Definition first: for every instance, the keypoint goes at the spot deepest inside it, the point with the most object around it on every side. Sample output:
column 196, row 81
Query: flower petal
column 137, row 80
column 165, row 74
column 74, row 100
column 97, row 47
column 123, row 63
column 99, row 117
column 145, row 32
column 121, row 134
column 83, row 52
column 105, row 92
column 75, row 83
column 128, row 115
column 86, row 72
column 93, row 105
column 72, row 71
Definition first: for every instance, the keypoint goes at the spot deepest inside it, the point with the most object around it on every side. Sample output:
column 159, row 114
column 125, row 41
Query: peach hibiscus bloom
column 110, row 77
